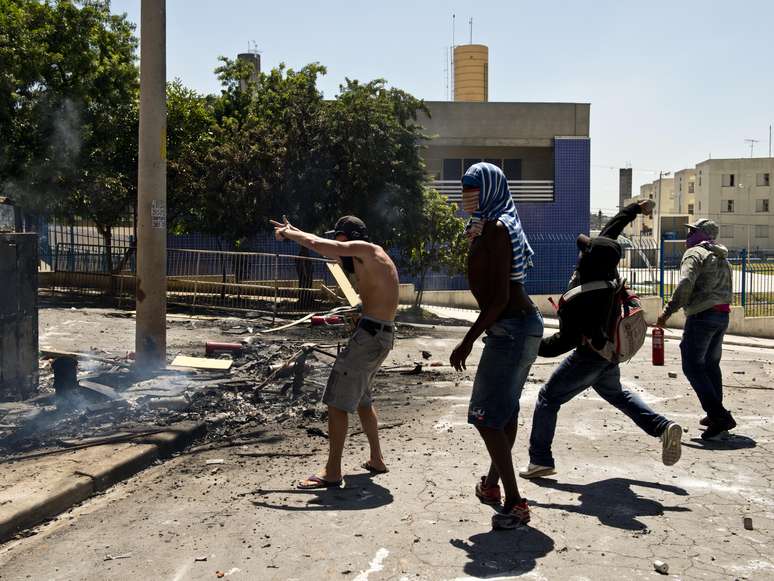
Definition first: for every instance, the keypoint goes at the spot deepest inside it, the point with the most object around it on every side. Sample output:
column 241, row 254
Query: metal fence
column 244, row 281
column 54, row 232
column 752, row 278
column 272, row 281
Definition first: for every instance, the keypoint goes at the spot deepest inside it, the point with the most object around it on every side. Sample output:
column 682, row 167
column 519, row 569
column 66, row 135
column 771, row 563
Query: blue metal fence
column 649, row 268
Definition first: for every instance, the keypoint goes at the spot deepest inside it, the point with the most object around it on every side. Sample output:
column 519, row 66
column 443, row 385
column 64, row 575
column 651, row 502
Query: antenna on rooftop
column 471, row 30
column 252, row 47
column 446, row 72
column 752, row 143
column 451, row 58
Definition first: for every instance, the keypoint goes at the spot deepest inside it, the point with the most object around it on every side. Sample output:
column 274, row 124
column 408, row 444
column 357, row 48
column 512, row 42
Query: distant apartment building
column 685, row 191
column 662, row 192
column 737, row 194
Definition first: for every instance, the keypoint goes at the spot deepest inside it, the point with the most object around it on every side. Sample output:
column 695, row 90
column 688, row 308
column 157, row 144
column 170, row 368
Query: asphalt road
column 611, row 510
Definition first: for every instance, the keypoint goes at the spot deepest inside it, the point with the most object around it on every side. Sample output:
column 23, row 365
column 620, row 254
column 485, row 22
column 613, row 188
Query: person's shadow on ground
column 504, row 553
column 732, row 442
column 613, row 501
column 359, row 492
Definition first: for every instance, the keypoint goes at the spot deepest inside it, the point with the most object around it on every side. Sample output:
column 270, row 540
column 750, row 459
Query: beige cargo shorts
column 349, row 385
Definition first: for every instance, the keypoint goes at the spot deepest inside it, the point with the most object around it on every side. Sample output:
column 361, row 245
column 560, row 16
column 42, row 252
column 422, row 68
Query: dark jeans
column 583, row 369
column 701, row 349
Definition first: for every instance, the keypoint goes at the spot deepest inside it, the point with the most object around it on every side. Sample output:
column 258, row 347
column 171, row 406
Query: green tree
column 372, row 150
column 190, row 139
column 72, row 105
column 433, row 240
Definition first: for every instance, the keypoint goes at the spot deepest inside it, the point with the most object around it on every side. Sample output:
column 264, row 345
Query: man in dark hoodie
column 581, row 321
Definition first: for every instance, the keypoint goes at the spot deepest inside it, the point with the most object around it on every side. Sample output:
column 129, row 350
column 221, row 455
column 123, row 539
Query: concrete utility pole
column 151, row 331
column 657, row 213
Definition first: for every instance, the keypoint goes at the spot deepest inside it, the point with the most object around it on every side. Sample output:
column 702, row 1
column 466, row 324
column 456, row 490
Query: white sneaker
column 536, row 471
column 670, row 444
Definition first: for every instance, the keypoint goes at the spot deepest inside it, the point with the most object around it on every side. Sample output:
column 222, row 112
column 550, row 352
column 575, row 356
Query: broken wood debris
column 201, row 363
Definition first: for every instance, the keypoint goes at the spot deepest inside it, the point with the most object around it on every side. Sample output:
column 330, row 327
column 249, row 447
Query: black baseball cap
column 351, row 226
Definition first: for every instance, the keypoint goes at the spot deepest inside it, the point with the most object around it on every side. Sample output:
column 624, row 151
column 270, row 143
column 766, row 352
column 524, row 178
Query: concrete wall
column 18, row 316
column 503, row 124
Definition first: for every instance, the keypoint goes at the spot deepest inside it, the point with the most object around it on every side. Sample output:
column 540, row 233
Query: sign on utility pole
column 151, row 289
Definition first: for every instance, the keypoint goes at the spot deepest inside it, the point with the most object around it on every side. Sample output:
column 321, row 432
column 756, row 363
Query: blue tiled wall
column 552, row 228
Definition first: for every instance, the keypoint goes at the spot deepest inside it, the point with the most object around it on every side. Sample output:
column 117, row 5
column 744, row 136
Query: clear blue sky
column 669, row 82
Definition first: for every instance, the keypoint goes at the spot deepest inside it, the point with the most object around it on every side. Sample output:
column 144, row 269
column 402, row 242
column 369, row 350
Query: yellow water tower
column 471, row 72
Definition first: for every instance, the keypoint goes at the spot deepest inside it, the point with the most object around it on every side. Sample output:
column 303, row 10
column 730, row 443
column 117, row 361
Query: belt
column 373, row 327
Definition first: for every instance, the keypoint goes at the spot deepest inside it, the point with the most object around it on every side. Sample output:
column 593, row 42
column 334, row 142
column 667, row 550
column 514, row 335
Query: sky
column 670, row 83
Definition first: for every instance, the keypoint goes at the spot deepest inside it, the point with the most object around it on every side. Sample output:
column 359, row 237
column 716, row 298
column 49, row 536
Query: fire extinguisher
column 657, row 339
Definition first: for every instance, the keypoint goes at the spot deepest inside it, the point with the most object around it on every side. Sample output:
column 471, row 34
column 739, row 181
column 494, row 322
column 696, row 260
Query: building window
column 762, row 205
column 761, row 230
column 763, row 179
column 467, row 163
column 691, row 187
column 726, row 230
column 690, row 209
column 727, row 206
column 452, row 169
column 728, row 180
column 512, row 168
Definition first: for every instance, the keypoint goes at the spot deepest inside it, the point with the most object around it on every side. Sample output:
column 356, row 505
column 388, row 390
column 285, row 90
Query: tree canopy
column 267, row 145
column 68, row 107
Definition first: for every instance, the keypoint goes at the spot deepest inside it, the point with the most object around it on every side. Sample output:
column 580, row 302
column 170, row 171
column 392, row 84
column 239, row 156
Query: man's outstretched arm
column 617, row 223
column 329, row 248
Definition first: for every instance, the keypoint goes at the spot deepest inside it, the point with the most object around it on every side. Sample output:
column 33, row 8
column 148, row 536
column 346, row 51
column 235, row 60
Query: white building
column 736, row 193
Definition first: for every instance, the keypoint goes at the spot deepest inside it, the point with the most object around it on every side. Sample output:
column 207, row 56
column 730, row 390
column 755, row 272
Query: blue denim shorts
column 510, row 349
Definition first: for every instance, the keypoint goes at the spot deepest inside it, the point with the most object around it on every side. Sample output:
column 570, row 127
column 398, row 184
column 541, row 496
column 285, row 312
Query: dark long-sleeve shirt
column 586, row 315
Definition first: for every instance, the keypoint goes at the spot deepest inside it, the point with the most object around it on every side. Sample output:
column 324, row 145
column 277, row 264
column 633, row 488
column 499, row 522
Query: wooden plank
column 341, row 279
column 332, row 294
column 202, row 363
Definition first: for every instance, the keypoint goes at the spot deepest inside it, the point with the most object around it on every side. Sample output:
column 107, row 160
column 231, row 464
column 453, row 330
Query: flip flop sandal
column 367, row 466
column 315, row 482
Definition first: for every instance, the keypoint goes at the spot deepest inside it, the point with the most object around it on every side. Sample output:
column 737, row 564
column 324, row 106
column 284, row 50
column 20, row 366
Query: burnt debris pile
column 256, row 379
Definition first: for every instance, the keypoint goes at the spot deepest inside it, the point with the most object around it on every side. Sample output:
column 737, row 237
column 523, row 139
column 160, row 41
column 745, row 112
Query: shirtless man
column 349, row 385
column 497, row 263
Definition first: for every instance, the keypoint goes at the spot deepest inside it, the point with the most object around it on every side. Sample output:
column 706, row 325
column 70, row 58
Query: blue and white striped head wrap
column 495, row 203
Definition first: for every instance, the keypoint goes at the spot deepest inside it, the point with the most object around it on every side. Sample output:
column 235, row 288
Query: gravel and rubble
column 275, row 378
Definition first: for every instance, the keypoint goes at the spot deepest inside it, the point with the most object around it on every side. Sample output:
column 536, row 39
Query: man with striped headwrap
column 497, row 264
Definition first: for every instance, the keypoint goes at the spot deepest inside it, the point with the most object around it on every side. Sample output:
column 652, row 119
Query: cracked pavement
column 608, row 513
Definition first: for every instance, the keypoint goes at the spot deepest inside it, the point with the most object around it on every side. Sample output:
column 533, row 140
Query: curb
column 70, row 490
column 675, row 334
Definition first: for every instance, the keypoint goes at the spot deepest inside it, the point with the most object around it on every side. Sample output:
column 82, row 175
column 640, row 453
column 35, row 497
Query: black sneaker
column 705, row 421
column 718, row 429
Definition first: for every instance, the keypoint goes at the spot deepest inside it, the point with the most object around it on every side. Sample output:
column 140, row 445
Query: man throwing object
column 349, row 385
